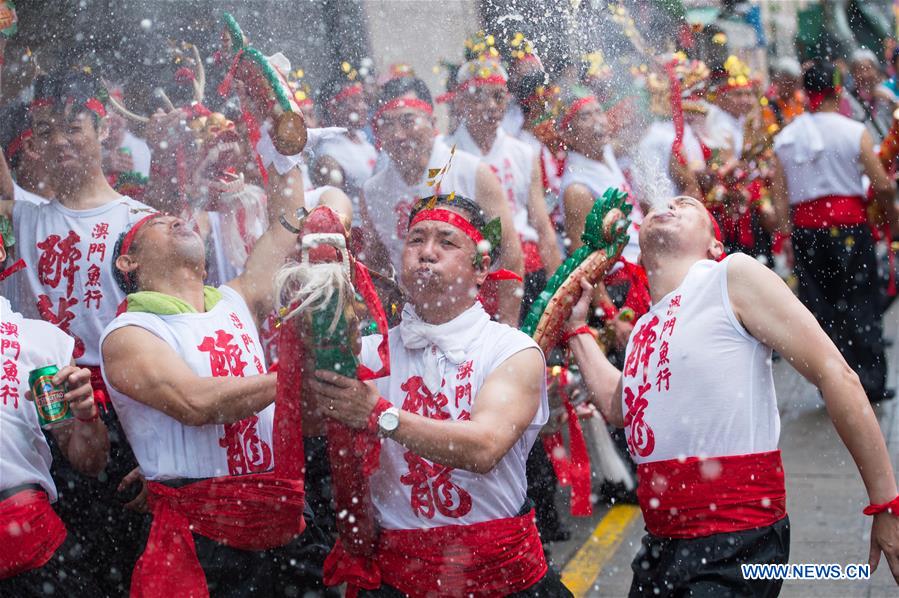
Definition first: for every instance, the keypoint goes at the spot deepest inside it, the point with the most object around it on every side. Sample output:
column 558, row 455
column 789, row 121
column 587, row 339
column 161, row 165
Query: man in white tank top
column 821, row 201
column 482, row 98
column 711, row 481
column 459, row 411
column 67, row 246
column 406, row 129
column 185, row 367
column 34, row 555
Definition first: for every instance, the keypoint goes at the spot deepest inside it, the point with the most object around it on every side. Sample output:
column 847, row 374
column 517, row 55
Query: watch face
column 389, row 420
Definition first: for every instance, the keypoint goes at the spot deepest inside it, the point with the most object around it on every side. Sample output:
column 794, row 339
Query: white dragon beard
column 305, row 288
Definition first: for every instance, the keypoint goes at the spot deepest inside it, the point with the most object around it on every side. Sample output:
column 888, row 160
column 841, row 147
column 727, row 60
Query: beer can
column 49, row 399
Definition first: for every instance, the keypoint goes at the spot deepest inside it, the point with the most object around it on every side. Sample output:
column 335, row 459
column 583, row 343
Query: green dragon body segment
column 605, row 235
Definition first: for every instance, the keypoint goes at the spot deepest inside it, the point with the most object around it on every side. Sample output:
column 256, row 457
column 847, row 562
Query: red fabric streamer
column 491, row 558
column 16, row 267
column 225, row 87
column 30, row 532
column 254, row 133
column 697, row 497
column 572, row 467
column 677, row 113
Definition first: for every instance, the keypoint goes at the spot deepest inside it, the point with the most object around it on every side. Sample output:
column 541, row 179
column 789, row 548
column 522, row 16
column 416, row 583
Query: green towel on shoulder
column 166, row 305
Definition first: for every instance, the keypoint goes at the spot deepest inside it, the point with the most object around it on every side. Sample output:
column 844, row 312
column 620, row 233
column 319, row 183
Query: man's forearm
column 601, row 377
column 457, row 444
column 87, row 446
column 857, row 426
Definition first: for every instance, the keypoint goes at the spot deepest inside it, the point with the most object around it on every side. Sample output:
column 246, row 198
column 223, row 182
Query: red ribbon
column 396, row 103
column 129, row 238
column 225, row 86
column 495, row 79
column 891, row 507
column 452, row 218
column 677, row 112
column 17, row 266
column 572, row 470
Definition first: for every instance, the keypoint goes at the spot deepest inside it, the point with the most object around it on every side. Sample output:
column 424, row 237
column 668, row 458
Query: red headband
column 92, row 104
column 395, row 103
column 40, row 103
column 451, row 218
column 469, row 84
column 16, row 144
column 575, row 107
column 346, row 92
column 129, row 238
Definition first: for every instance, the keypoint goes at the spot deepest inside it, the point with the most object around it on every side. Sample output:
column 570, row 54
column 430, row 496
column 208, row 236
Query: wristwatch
column 388, row 422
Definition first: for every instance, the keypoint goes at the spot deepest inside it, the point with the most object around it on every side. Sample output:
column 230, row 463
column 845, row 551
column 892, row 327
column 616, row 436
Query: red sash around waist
column 30, row 532
column 493, row 558
column 830, row 210
column 700, row 497
column 253, row 512
column 101, row 396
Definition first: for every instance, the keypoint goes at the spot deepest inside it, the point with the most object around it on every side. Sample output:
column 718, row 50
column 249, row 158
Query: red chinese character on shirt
column 433, row 489
column 673, row 305
column 247, row 341
column 225, row 357
column 463, row 392
column 663, row 354
column 669, row 326
column 101, row 231
column 258, row 363
column 640, row 440
column 7, row 392
column 465, row 370
column 641, row 348
column 10, row 344
column 93, row 276
column 61, row 318
column 664, row 377
column 58, row 259
column 9, row 329
column 247, row 452
column 236, row 321
column 420, row 400
column 94, row 295
column 10, row 371
column 98, row 248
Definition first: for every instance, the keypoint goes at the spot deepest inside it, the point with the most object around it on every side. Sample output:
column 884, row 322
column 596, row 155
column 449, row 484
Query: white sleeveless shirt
column 69, row 257
column 389, row 199
column 220, row 342
column 25, row 345
column 598, row 176
column 512, row 161
column 695, row 382
column 820, row 156
column 356, row 156
column 410, row 492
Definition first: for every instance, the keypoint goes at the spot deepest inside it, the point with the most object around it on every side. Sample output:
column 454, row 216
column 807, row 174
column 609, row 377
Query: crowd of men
column 139, row 256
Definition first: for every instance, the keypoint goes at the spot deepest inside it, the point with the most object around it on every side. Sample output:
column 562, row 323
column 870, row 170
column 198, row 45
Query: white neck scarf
column 442, row 342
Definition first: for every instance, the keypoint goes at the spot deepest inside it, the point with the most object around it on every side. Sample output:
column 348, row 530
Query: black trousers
column 62, row 575
column 106, row 537
column 291, row 570
column 550, row 586
column 709, row 567
column 839, row 283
